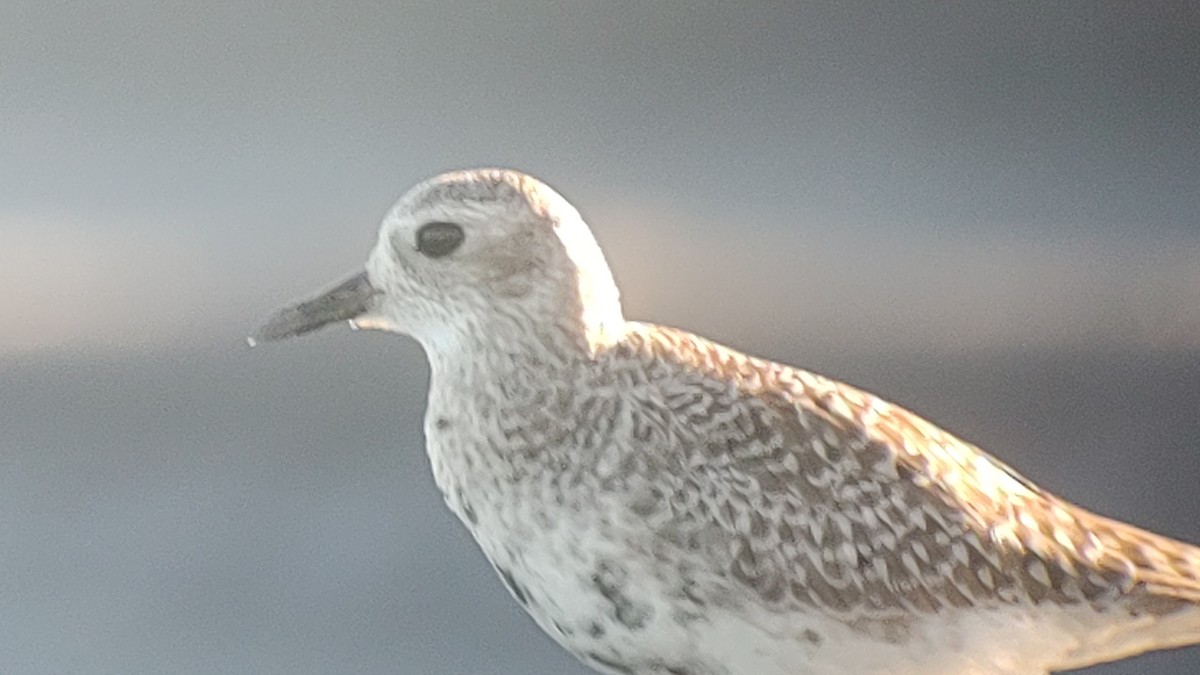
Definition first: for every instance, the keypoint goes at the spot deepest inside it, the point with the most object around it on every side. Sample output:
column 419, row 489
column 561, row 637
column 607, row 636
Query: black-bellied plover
column 661, row 504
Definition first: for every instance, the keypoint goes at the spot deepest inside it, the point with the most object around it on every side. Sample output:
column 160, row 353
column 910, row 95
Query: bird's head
column 474, row 256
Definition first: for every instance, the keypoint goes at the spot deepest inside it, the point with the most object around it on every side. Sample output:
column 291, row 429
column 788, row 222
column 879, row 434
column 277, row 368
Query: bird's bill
column 351, row 300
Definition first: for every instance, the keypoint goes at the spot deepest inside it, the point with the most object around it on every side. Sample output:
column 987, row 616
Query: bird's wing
column 836, row 499
column 1041, row 546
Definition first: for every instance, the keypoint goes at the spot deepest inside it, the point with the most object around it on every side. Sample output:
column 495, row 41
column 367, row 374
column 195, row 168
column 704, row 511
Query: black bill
column 344, row 302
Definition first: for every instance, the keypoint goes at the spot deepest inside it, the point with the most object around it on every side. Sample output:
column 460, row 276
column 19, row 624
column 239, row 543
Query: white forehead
column 496, row 195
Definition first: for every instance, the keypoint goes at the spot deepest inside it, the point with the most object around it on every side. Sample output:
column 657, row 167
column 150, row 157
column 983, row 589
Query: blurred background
column 986, row 212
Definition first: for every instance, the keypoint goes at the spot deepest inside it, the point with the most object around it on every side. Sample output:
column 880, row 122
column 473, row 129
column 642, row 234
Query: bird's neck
column 499, row 348
column 498, row 361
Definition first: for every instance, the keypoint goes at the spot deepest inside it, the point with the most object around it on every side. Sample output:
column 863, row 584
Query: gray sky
column 987, row 212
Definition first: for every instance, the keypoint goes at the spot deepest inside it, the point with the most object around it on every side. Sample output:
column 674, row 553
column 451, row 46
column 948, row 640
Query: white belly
column 632, row 621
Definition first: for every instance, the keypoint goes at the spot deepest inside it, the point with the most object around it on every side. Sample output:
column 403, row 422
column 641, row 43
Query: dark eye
column 439, row 239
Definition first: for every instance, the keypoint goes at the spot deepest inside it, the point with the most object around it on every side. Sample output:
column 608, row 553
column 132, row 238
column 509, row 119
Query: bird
column 661, row 504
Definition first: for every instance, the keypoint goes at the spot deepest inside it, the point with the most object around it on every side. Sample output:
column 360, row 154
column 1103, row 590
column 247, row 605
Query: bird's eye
column 439, row 239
